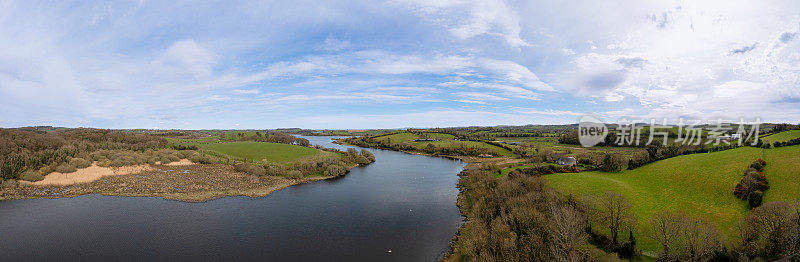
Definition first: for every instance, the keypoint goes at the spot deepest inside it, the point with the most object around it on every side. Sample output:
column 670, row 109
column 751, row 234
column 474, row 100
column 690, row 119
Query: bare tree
column 566, row 233
column 664, row 229
column 700, row 239
column 615, row 212
column 683, row 237
column 768, row 230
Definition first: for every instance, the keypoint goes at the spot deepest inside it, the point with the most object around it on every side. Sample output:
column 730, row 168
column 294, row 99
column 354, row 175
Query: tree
column 566, row 233
column 664, row 229
column 755, row 198
column 612, row 163
column 768, row 230
column 368, row 155
column 683, row 237
column 700, row 239
column 615, row 212
column 361, row 160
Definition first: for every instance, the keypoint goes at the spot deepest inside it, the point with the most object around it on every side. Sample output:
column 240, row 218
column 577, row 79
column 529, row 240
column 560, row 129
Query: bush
column 31, row 175
column 273, row 171
column 65, row 168
column 80, row 162
column 368, row 155
column 361, row 160
column 8, row 183
column 612, row 163
column 104, row 163
column 335, row 170
column 755, row 198
column 757, row 166
column 294, row 174
column 752, row 181
column 185, row 154
column 201, row 159
column 250, row 169
column 165, row 160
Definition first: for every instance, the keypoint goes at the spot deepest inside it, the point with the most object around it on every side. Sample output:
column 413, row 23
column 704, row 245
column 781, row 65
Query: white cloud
column 246, row 91
column 187, row 55
column 516, row 73
column 474, row 18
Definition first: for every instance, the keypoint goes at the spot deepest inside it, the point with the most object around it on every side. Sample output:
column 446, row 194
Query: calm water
column 403, row 203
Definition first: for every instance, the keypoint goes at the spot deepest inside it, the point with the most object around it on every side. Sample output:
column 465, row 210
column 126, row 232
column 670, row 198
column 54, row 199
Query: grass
column 399, row 137
column 783, row 173
column 698, row 183
column 505, row 171
column 454, row 143
column 446, row 140
column 782, row 136
column 260, row 151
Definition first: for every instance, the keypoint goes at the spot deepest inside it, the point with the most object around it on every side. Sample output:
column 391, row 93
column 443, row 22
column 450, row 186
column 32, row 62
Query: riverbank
column 189, row 183
column 464, row 201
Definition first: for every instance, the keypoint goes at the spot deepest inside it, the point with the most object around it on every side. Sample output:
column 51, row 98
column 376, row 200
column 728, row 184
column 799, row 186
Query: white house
column 567, row 161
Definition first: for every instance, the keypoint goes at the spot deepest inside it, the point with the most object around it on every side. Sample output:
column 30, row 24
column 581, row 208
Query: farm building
column 567, row 161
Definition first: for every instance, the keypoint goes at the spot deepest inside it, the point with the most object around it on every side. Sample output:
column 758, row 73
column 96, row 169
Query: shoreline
column 472, row 162
column 187, row 183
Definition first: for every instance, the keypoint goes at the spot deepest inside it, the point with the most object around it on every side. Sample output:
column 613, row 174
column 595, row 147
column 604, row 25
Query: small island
column 194, row 166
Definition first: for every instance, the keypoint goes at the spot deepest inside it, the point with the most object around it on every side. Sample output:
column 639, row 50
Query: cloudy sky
column 392, row 64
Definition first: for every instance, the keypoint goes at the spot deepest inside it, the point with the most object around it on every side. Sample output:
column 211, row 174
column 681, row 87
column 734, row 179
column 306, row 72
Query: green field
column 446, row 140
column 260, row 151
column 698, row 183
column 782, row 136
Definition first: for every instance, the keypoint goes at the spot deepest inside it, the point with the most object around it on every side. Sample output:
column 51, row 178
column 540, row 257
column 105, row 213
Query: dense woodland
column 42, row 151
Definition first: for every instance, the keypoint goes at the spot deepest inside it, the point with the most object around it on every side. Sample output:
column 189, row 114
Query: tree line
column 519, row 218
column 31, row 151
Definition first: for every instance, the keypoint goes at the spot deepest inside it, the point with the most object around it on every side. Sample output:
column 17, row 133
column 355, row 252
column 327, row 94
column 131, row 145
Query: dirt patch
column 94, row 173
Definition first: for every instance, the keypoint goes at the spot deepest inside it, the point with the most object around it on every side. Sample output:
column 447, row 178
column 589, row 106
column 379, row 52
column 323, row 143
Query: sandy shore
column 94, row 173
column 178, row 181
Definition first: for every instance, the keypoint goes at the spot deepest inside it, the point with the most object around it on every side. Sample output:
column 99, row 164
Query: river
column 400, row 208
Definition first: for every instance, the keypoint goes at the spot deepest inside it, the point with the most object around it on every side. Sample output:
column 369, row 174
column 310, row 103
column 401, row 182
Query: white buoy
column 390, row 251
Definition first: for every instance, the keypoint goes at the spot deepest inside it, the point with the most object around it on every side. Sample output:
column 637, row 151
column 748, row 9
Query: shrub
column 8, row 183
column 755, row 198
column 361, row 160
column 250, row 169
column 31, row 175
column 757, row 166
column 201, row 159
column 752, row 181
column 105, row 163
column 335, row 170
column 65, row 168
column 294, row 174
column 368, row 155
column 165, row 160
column 612, row 163
column 185, row 154
column 273, row 171
column 80, row 162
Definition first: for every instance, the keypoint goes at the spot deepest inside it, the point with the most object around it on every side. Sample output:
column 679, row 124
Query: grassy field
column 698, row 183
column 260, row 151
column 446, row 140
column 782, row 136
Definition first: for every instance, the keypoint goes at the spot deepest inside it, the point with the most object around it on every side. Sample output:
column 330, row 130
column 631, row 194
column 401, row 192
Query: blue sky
column 394, row 64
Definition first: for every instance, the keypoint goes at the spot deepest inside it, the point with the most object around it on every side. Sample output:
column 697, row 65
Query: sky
column 394, row 64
